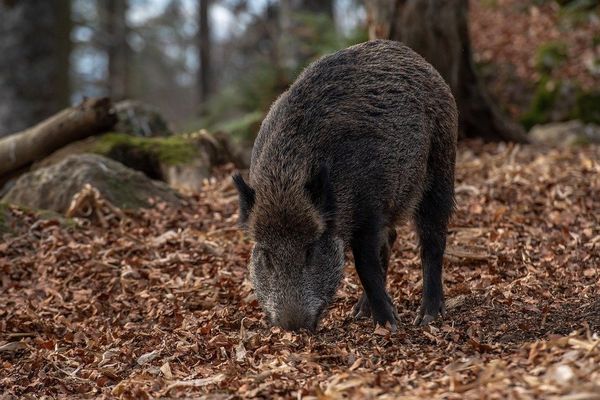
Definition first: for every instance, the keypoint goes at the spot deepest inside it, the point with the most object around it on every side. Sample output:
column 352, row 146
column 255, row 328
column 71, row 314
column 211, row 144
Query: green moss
column 46, row 214
column 587, row 107
column 68, row 222
column 49, row 214
column 124, row 196
column 244, row 127
column 542, row 103
column 171, row 150
column 575, row 12
column 578, row 5
column 3, row 218
column 493, row 4
column 549, row 56
column 581, row 140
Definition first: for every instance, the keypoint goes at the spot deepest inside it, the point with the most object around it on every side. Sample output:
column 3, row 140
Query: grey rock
column 565, row 133
column 53, row 187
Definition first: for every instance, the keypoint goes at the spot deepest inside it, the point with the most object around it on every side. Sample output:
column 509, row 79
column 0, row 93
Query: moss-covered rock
column 53, row 187
column 171, row 150
column 182, row 161
column 567, row 133
column 129, row 150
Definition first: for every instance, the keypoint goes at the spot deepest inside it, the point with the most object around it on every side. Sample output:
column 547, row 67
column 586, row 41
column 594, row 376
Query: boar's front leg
column 366, row 247
column 362, row 309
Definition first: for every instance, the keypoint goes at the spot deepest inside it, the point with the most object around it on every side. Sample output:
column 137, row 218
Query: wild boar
column 364, row 138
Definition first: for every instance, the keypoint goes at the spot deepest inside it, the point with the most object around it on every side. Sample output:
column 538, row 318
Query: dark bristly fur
column 364, row 138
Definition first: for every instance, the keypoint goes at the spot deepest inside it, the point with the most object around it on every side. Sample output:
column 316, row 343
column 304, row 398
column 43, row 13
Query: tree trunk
column 288, row 51
column 204, row 44
column 34, row 61
column 438, row 30
column 90, row 117
column 113, row 15
column 63, row 54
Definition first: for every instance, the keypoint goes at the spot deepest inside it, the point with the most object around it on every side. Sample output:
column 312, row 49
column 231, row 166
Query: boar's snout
column 295, row 319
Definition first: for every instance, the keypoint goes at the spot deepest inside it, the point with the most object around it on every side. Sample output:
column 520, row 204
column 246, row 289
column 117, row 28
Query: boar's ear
column 320, row 190
column 247, row 196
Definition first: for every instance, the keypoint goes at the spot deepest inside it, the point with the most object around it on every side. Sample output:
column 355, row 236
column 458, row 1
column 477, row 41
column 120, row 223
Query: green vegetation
column 49, row 214
column 587, row 107
column 3, row 218
column 243, row 128
column 550, row 56
column 324, row 38
column 578, row 5
column 573, row 12
column 542, row 103
column 125, row 197
column 490, row 3
column 6, row 219
column 171, row 150
column 239, row 108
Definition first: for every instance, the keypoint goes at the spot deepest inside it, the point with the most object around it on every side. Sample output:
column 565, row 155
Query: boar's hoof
column 424, row 320
column 428, row 313
column 386, row 316
column 391, row 323
column 362, row 309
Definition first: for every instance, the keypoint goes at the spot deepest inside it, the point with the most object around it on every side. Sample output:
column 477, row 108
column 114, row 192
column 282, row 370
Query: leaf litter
column 156, row 303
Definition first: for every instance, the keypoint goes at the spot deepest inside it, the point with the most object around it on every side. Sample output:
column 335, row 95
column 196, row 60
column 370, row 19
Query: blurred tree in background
column 34, row 61
column 264, row 55
column 141, row 49
column 439, row 32
column 204, row 49
column 112, row 39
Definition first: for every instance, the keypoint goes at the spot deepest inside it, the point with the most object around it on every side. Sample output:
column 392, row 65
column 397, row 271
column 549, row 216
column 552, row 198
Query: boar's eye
column 309, row 251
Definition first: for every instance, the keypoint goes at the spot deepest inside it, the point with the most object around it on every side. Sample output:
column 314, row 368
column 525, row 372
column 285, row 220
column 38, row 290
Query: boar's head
column 297, row 261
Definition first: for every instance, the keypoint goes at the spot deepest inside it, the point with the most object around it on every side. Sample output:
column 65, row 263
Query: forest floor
column 156, row 303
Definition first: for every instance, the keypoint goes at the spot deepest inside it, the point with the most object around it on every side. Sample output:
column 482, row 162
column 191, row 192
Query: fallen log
column 90, row 117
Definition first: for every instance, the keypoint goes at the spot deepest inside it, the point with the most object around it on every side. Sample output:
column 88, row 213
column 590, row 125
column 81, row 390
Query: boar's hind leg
column 362, row 309
column 367, row 250
column 431, row 220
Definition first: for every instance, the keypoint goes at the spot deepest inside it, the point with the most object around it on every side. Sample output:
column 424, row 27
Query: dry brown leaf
column 196, row 382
